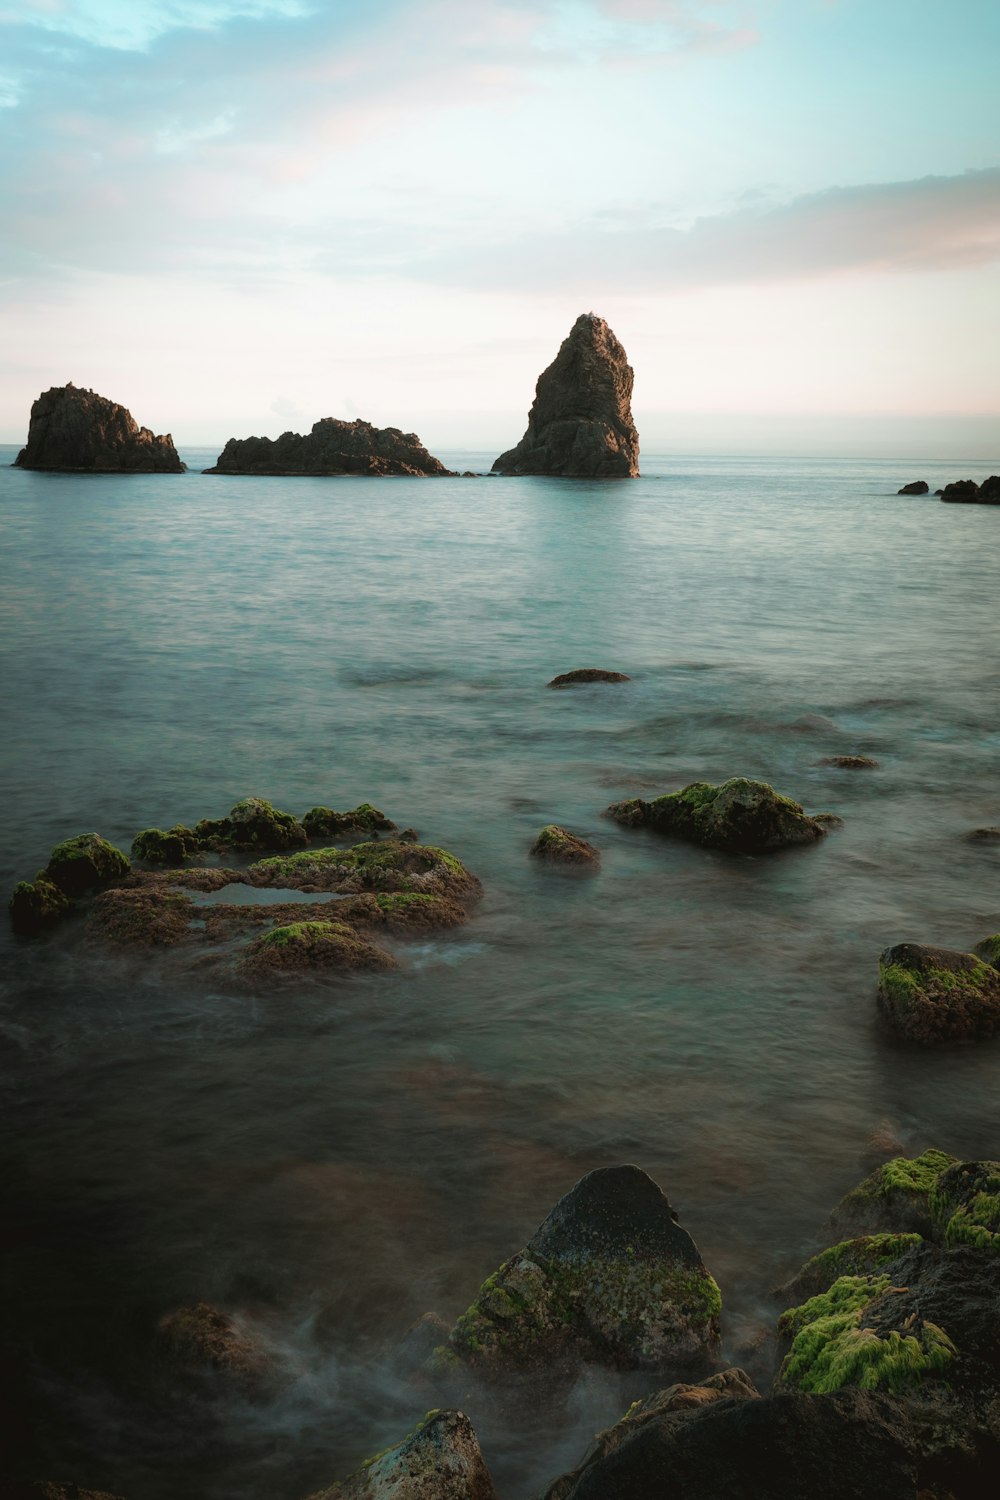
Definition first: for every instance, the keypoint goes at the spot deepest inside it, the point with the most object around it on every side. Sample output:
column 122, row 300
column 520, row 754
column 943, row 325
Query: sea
column 326, row 1164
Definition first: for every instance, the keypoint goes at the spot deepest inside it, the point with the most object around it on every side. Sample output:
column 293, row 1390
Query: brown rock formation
column 76, row 429
column 580, row 424
column 333, row 447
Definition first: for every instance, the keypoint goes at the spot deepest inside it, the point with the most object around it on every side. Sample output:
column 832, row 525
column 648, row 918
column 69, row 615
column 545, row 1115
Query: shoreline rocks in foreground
column 75, row 430
column 740, row 816
column 930, row 995
column 580, row 424
column 333, row 447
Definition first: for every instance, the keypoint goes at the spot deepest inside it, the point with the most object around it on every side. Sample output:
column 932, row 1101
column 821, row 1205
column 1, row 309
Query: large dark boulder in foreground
column 740, row 815
column 610, row 1278
column 85, row 863
column 332, row 447
column 938, row 994
column 916, row 487
column 440, row 1460
column 851, row 1446
column 961, row 490
column 580, row 424
column 78, row 430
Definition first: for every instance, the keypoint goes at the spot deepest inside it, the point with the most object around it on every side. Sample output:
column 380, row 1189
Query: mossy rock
column 965, row 1201
column 200, row 1342
column 835, row 1343
column 172, row 846
column 740, row 816
column 315, row 947
column 401, row 911
column 85, row 863
column 384, row 868
column 252, row 825
column 325, row 823
column 439, row 1460
column 989, row 950
column 861, row 1256
column 35, row 905
column 609, row 1278
column 895, row 1197
column 558, row 846
column 147, row 917
column 931, row 995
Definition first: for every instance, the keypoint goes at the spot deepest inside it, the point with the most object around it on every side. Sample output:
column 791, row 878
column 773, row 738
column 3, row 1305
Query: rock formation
column 558, row 846
column 915, row 487
column 740, row 815
column 76, row 429
column 961, row 490
column 584, row 675
column 440, row 1460
column 580, row 424
column 938, row 994
column 332, row 447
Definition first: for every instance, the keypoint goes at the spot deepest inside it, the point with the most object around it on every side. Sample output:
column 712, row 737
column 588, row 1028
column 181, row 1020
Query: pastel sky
column 238, row 216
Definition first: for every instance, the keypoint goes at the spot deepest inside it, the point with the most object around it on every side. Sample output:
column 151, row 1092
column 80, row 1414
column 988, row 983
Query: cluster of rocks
column 959, row 491
column 884, row 1377
column 332, row 447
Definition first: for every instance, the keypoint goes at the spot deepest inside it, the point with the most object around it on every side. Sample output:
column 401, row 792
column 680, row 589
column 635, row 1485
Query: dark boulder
column 75, row 429
column 332, row 447
column 850, row 762
column 324, row 823
column 321, row 948
column 35, row 905
column 610, row 1278
column 961, row 489
column 558, row 846
column 580, row 424
column 85, row 863
column 895, row 1198
column 740, row 816
column 582, row 675
column 983, row 836
column 440, row 1460
column 989, row 490
column 933, row 995
column 166, row 847
column 200, row 1343
column 915, row 487
column 252, row 824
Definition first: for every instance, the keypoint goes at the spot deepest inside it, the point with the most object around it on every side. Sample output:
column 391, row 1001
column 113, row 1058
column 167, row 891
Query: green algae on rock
column 317, row 947
column 141, row 918
column 989, row 950
column 740, row 815
column 557, row 845
column 35, row 905
column 158, row 846
column 387, row 866
column 861, row 1256
column 325, row 823
column 965, row 1201
column 895, row 1198
column 833, row 1344
column 609, row 1278
column 84, row 863
column 439, row 1460
column 938, row 994
column 251, row 825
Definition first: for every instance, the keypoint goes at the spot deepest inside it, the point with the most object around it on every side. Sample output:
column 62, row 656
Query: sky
column 238, row 216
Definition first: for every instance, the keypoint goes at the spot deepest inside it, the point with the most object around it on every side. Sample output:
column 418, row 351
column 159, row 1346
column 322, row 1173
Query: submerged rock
column 324, row 823
column 961, row 489
column 580, row 424
column 915, row 487
column 983, row 836
column 440, row 1460
column 35, row 905
column 850, row 762
column 938, row 994
column 558, row 846
column 385, row 867
column 740, row 815
column 49, row 1489
column 894, row 1198
column 251, row 825
column 853, row 1445
column 319, row 947
column 332, row 447
column 587, row 674
column 76, row 429
column 609, row 1278
column 201, row 1342
column 85, row 863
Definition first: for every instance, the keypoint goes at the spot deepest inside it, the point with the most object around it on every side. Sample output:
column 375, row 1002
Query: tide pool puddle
column 251, row 895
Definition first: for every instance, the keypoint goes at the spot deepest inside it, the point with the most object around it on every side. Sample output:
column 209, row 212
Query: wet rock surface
column 557, row 846
column 332, row 447
column 200, row 1343
column 932, row 995
column 895, row 1198
column 77, row 430
column 915, row 487
column 580, row 424
column 582, row 675
column 741, row 815
column 440, row 1460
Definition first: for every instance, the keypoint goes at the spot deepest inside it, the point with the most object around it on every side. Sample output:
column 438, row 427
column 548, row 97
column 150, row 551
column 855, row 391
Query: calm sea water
column 331, row 1164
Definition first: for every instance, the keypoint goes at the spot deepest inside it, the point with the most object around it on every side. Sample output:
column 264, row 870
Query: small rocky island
column 77, row 430
column 332, row 447
column 580, row 424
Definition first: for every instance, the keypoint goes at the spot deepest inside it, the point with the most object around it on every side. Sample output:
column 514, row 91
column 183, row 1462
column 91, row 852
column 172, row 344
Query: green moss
column 966, row 1205
column 900, row 985
column 36, row 904
column 165, row 847
column 856, row 1257
column 832, row 1348
column 302, row 932
column 989, row 950
column 80, row 864
column 914, row 1174
column 905, row 986
column 402, row 901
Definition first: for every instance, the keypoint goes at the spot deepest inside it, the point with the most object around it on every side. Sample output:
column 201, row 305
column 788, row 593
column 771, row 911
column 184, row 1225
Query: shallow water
column 330, row 1164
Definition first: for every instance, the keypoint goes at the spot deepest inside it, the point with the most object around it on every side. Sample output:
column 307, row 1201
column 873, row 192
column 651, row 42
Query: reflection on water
column 330, row 1164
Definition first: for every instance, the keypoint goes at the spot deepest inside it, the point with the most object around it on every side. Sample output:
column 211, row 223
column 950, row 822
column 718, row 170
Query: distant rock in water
column 333, row 447
column 580, row 424
column 587, row 674
column 961, row 490
column 76, row 429
column 917, row 487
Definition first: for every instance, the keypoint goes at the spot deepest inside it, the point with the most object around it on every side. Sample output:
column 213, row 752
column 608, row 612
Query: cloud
column 133, row 24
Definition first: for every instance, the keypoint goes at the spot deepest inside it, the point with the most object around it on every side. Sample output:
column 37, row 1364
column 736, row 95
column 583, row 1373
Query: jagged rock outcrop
column 915, row 487
column 580, row 424
column 76, row 429
column 332, row 447
column 440, row 1460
